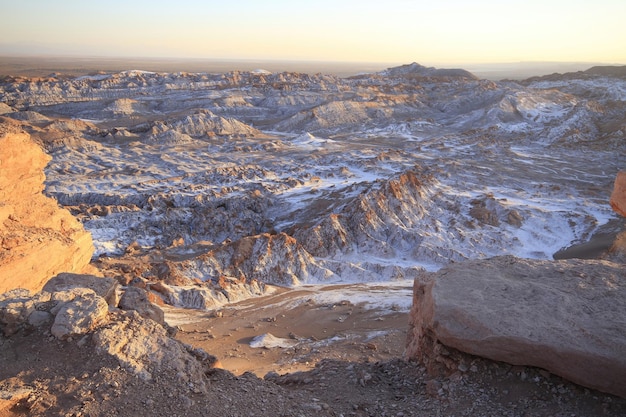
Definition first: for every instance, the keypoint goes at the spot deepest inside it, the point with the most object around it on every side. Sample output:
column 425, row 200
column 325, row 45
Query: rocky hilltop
column 37, row 238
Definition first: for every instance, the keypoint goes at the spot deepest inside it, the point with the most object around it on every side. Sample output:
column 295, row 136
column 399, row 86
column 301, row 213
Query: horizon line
column 291, row 60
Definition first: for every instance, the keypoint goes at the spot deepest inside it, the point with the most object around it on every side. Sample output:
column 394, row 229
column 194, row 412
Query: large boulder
column 618, row 197
column 37, row 238
column 567, row 317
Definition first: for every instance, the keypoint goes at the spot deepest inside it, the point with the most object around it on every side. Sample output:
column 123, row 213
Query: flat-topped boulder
column 567, row 317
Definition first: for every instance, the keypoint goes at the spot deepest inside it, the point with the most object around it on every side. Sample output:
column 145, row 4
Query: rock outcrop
column 567, row 317
column 143, row 347
column 207, row 276
column 277, row 259
column 82, row 315
column 378, row 221
column 37, row 238
column 618, row 197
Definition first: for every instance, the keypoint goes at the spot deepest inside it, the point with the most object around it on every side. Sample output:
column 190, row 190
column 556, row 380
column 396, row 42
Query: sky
column 390, row 31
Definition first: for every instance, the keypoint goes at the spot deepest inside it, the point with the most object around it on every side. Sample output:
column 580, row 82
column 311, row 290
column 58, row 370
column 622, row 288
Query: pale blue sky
column 431, row 32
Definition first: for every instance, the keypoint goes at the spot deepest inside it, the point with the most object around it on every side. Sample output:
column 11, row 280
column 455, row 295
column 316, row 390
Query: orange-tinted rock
column 38, row 240
column 618, row 197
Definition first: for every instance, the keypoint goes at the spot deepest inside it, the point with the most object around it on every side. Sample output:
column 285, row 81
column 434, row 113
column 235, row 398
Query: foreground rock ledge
column 567, row 317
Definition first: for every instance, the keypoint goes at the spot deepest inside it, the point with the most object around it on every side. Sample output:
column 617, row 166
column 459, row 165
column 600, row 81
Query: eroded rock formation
column 37, row 238
column 207, row 276
column 563, row 316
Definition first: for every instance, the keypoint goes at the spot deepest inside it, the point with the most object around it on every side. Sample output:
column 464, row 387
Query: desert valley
column 410, row 241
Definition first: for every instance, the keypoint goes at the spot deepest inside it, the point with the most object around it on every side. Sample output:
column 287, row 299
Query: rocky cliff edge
column 37, row 238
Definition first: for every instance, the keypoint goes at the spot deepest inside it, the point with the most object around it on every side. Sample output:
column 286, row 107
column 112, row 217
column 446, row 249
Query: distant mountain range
column 75, row 66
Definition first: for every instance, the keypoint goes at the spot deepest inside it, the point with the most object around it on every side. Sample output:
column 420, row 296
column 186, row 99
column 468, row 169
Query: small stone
column 83, row 341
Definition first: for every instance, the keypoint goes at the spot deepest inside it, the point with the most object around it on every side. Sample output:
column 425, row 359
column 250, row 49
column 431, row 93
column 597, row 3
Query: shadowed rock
column 143, row 347
column 135, row 298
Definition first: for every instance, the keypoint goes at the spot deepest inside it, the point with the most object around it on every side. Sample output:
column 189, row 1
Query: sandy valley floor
column 307, row 324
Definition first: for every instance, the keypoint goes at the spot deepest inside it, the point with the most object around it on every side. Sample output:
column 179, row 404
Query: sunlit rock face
column 37, row 238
